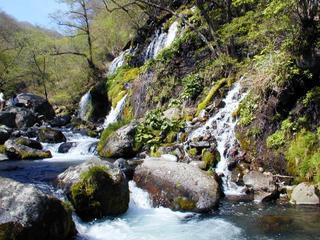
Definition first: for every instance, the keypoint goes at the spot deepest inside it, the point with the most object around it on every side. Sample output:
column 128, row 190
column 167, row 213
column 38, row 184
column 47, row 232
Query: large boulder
column 120, row 144
column 305, row 194
column 65, row 147
column 96, row 189
column 8, row 119
column 25, row 149
column 178, row 186
column 25, row 118
column 28, row 214
column 39, row 105
column 263, row 186
column 49, row 135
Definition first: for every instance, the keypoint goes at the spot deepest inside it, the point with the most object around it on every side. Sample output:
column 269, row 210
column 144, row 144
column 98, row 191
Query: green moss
column 116, row 83
column 216, row 87
column 210, row 159
column 193, row 152
column 303, row 156
column 84, row 194
column 171, row 137
column 105, row 135
column 2, row 149
column 312, row 96
column 185, row 204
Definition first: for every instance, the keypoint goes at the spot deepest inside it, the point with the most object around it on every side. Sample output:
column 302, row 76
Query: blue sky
column 33, row 11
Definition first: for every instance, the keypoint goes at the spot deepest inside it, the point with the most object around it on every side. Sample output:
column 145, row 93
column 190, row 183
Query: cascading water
column 222, row 126
column 118, row 62
column 143, row 222
column 84, row 105
column 115, row 113
column 161, row 40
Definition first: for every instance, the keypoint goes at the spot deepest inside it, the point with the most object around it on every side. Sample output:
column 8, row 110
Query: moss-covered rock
column 96, row 189
column 49, row 135
column 25, row 149
column 119, row 143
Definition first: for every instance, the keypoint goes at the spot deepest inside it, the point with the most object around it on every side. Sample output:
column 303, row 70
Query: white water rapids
column 222, row 127
column 115, row 113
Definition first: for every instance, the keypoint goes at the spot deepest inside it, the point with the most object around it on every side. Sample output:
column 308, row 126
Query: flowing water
column 232, row 221
column 84, row 105
column 115, row 113
column 118, row 62
column 161, row 40
column 222, row 126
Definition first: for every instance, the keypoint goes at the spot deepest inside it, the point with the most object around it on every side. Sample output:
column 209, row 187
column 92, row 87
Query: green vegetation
column 106, row 134
column 303, row 156
column 214, row 90
column 155, row 130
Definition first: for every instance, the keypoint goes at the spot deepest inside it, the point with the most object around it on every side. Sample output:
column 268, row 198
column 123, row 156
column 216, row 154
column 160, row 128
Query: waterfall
column 115, row 113
column 222, row 126
column 161, row 40
column 84, row 105
column 118, row 62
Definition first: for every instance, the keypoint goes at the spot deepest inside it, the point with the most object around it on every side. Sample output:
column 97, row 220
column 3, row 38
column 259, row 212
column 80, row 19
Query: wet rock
column 8, row 119
column 60, row 121
column 125, row 167
column 28, row 214
column 305, row 194
column 120, row 143
column 25, row 118
column 39, row 105
column 65, row 147
column 176, row 150
column 263, row 186
column 169, row 158
column 178, row 186
column 5, row 134
column 49, row 135
column 173, row 114
column 203, row 116
column 96, row 189
column 25, row 149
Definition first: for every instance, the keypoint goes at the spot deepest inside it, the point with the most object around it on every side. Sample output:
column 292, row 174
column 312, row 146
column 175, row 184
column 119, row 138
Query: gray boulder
column 39, row 105
column 120, row 144
column 305, row 194
column 65, row 147
column 25, row 118
column 8, row 119
column 4, row 134
column 178, row 186
column 49, row 135
column 96, row 189
column 25, row 149
column 263, row 186
column 27, row 213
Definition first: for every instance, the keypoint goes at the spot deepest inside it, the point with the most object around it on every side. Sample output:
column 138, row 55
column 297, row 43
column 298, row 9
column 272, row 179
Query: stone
column 22, row 149
column 263, row 185
column 39, row 105
column 28, row 214
column 65, row 147
column 25, row 118
column 305, row 194
column 169, row 158
column 5, row 134
column 173, row 114
column 96, row 189
column 178, row 186
column 120, row 144
column 49, row 135
column 60, row 121
column 8, row 119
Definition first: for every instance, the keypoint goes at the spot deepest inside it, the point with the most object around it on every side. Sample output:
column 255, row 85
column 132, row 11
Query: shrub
column 303, row 156
column 193, row 87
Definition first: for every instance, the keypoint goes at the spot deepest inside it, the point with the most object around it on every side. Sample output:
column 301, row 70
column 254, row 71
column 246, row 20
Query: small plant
column 192, row 87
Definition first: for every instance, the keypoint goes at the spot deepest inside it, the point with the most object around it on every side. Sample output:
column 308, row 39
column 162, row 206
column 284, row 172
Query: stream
column 143, row 222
